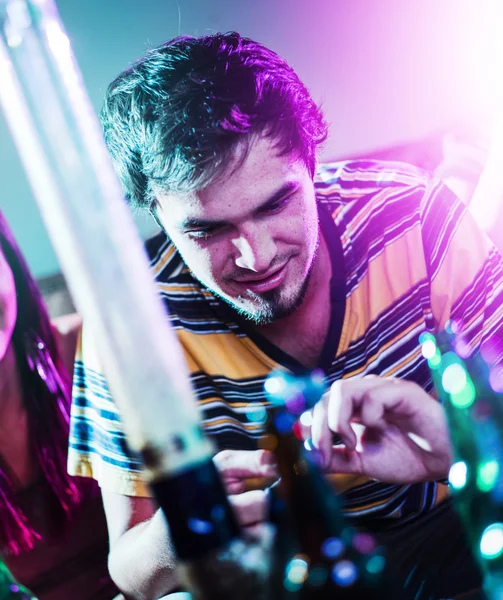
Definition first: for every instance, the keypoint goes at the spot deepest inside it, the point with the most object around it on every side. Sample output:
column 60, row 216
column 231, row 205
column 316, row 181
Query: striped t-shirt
column 406, row 257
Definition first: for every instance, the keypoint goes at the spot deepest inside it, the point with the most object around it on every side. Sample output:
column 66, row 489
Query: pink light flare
column 486, row 203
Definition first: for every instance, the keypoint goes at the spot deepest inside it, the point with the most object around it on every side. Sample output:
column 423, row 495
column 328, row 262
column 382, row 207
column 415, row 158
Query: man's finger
column 344, row 461
column 320, row 431
column 340, row 410
column 243, row 464
column 250, row 508
column 345, row 402
column 234, row 486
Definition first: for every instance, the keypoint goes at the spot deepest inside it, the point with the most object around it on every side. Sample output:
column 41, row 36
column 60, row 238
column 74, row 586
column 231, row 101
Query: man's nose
column 256, row 250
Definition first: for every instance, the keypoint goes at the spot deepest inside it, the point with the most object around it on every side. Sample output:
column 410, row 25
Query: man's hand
column 391, row 430
column 236, row 467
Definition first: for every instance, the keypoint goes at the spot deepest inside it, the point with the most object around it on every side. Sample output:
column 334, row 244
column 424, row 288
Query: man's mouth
column 264, row 283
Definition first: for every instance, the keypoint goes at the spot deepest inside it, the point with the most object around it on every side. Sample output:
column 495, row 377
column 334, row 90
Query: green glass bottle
column 318, row 555
column 466, row 386
column 10, row 589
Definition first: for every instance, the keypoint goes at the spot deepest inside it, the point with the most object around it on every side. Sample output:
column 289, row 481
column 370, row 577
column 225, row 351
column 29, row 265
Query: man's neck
column 302, row 334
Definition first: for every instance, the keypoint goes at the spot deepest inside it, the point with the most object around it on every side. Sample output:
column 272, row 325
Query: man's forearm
column 141, row 561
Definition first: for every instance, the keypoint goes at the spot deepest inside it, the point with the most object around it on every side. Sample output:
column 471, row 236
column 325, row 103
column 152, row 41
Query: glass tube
column 61, row 146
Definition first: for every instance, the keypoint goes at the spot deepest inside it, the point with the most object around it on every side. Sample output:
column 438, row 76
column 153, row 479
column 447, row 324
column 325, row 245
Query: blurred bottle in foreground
column 9, row 588
column 216, row 561
column 318, row 555
column 469, row 386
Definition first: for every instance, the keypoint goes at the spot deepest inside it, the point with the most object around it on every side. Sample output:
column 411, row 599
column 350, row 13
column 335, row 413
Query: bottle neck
column 199, row 516
column 314, row 507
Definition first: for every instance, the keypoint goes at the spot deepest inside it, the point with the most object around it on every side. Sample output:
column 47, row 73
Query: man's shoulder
column 162, row 253
column 191, row 306
column 166, row 263
column 351, row 179
column 371, row 194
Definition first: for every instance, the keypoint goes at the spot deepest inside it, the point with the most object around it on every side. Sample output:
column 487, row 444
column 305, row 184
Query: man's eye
column 202, row 234
column 277, row 206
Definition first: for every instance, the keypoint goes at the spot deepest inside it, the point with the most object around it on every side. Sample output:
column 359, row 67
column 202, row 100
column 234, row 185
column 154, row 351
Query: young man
column 268, row 260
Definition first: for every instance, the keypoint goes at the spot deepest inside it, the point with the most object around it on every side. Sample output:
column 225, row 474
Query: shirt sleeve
column 465, row 271
column 97, row 444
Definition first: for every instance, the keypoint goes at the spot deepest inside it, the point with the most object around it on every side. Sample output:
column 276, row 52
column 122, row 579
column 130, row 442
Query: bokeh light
column 284, row 422
column 458, row 475
column 296, row 573
column 332, row 548
column 462, row 348
column 428, row 349
column 274, row 385
column 344, row 573
column 306, row 418
column 427, row 337
column 454, row 378
column 200, row 526
column 491, row 542
column 487, row 475
column 435, row 360
column 364, row 542
column 295, row 400
column 376, row 564
column 268, row 441
column 257, row 414
column 466, row 397
column 297, row 431
column 318, row 378
column 454, row 326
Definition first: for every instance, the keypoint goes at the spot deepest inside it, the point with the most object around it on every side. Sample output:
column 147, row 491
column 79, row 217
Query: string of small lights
column 468, row 385
column 319, row 554
column 11, row 589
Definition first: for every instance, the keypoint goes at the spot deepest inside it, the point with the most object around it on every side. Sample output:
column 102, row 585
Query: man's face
column 251, row 236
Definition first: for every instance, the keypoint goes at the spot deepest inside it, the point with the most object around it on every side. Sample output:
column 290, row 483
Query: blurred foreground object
column 487, row 201
column 9, row 588
column 318, row 555
column 60, row 142
column 469, row 385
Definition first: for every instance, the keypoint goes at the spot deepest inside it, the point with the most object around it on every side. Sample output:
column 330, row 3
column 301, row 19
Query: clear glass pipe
column 59, row 139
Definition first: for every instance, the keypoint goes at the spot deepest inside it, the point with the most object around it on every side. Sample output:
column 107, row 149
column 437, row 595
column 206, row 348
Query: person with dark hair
column 268, row 259
column 52, row 527
column 175, row 119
